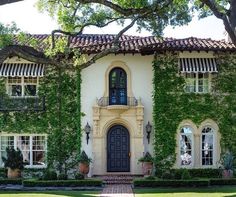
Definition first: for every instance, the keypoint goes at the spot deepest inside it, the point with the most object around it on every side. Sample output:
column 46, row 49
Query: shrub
column 197, row 173
column 222, row 181
column 14, row 159
column 63, row 183
column 170, row 183
column 167, row 175
column 185, row 175
column 146, row 158
column 49, row 175
column 10, row 181
column 83, row 158
column 79, row 176
column 62, row 177
column 150, row 178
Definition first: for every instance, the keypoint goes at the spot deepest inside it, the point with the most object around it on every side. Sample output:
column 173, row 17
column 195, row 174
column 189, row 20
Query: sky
column 30, row 20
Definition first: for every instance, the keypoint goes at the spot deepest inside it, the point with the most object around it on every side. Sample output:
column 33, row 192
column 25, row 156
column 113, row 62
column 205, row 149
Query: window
column 207, row 146
column 33, row 148
column 186, row 144
column 197, row 82
column 22, row 86
column 117, row 87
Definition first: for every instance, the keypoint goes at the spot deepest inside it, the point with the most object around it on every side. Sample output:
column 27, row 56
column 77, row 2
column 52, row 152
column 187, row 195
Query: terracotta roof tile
column 94, row 43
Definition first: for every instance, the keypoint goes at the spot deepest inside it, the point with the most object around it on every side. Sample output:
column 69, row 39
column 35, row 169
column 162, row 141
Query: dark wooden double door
column 118, row 149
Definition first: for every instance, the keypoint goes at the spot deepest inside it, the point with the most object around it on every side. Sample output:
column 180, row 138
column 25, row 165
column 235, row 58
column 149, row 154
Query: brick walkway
column 117, row 191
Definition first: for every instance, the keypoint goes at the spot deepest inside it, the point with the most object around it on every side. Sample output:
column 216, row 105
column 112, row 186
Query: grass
column 49, row 193
column 224, row 191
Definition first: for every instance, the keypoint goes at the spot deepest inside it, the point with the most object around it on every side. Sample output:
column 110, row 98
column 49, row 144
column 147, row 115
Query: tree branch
column 113, row 49
column 3, row 2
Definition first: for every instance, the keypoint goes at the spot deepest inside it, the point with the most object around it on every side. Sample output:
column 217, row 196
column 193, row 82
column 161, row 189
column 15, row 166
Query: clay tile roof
column 94, row 43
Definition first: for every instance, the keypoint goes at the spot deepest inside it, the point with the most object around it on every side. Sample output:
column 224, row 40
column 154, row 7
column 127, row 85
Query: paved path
column 117, row 191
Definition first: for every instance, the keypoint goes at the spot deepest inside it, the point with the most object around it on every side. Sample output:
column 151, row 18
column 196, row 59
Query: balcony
column 106, row 101
column 8, row 104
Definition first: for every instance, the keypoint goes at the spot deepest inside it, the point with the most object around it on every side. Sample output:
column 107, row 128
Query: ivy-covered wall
column 171, row 105
column 61, row 120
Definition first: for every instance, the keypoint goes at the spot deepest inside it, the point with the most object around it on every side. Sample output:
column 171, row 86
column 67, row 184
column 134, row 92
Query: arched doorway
column 117, row 87
column 118, row 149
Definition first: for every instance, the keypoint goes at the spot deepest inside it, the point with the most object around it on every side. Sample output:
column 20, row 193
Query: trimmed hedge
column 223, row 181
column 169, row 183
column 63, row 183
column 197, row 173
column 10, row 181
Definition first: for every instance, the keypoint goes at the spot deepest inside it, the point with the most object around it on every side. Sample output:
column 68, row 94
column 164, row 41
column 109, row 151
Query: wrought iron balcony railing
column 128, row 101
column 22, row 103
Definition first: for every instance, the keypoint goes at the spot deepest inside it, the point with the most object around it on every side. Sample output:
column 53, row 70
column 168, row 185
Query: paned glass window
column 33, row 148
column 22, row 86
column 197, row 82
column 207, row 146
column 186, row 146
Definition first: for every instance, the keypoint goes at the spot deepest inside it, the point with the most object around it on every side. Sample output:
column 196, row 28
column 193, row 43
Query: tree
column 224, row 10
column 75, row 15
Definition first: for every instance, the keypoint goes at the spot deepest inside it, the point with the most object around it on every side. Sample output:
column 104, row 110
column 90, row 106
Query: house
column 118, row 100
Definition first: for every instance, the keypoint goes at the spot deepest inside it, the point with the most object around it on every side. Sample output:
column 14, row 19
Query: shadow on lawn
column 225, row 189
column 49, row 193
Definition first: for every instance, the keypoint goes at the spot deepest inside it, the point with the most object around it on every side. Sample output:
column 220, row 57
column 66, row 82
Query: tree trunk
column 232, row 20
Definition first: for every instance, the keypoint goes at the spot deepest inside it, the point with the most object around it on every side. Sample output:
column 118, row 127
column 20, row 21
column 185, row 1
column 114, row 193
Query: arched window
column 186, row 146
column 117, row 87
column 207, row 146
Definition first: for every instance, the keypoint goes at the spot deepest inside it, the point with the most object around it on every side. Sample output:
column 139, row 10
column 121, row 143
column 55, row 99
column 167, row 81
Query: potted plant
column 84, row 162
column 13, row 162
column 227, row 162
column 147, row 164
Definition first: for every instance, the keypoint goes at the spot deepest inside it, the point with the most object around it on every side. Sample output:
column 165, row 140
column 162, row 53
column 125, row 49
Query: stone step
column 118, row 179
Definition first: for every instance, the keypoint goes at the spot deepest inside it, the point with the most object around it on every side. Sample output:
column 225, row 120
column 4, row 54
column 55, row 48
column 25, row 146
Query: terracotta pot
column 147, row 168
column 13, row 173
column 227, row 174
column 84, row 168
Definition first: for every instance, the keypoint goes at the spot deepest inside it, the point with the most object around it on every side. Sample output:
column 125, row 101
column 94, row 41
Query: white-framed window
column 197, row 82
column 33, row 148
column 186, row 146
column 207, row 146
column 22, row 86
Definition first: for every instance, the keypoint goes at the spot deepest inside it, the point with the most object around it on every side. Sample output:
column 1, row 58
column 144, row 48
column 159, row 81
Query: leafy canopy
column 155, row 15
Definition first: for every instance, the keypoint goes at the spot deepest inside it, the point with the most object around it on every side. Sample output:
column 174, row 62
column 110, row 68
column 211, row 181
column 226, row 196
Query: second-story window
column 198, row 73
column 197, row 82
column 22, row 86
column 117, row 87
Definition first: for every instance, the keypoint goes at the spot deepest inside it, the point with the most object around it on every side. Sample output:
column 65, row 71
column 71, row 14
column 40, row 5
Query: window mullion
column 22, row 86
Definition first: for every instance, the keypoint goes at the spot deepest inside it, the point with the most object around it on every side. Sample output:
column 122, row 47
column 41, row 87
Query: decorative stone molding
column 104, row 118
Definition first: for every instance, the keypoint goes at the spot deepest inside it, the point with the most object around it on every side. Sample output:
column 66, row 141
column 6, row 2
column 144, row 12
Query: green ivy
column 171, row 105
column 61, row 120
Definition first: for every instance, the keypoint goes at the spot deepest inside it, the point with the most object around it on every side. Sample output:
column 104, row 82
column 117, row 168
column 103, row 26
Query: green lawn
column 186, row 192
column 49, row 194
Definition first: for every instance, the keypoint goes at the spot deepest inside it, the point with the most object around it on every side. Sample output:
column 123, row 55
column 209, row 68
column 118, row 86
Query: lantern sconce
column 87, row 129
column 148, row 130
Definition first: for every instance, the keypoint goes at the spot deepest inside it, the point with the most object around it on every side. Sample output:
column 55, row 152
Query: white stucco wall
column 93, row 86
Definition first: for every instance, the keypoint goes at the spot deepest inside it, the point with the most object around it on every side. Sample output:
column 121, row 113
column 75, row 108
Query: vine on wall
column 61, row 121
column 172, row 105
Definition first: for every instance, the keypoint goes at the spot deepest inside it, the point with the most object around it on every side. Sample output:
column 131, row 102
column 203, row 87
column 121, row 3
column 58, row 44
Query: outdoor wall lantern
column 87, row 129
column 148, row 130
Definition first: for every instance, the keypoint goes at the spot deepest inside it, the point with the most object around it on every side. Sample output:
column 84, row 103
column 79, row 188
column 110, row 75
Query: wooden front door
column 118, row 149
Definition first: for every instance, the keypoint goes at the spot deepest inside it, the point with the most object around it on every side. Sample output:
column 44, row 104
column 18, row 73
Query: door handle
column 129, row 154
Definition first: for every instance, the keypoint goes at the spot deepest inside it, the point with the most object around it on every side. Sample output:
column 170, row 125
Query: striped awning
column 195, row 65
column 21, row 69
